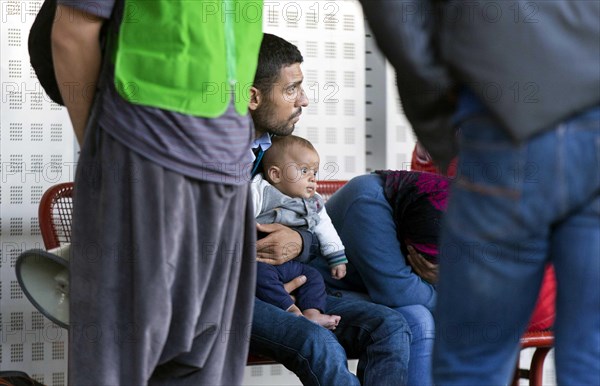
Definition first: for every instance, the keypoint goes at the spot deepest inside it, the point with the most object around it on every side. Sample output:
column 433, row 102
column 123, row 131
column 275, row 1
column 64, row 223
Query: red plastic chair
column 327, row 187
column 542, row 341
column 54, row 215
column 55, row 209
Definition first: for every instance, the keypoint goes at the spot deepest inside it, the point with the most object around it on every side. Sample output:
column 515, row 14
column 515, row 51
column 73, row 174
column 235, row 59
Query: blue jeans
column 422, row 332
column 377, row 268
column 512, row 209
column 378, row 336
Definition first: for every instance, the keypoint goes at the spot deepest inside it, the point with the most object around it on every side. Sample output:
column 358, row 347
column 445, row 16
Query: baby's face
column 300, row 173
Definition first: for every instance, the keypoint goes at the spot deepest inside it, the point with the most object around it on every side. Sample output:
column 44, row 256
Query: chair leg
column 515, row 380
column 519, row 372
column 536, row 370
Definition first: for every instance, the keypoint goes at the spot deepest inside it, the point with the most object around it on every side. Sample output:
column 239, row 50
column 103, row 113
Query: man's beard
column 263, row 118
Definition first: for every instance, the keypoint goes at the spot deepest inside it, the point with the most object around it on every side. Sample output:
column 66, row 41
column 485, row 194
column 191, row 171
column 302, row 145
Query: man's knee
column 419, row 320
column 399, row 329
column 390, row 327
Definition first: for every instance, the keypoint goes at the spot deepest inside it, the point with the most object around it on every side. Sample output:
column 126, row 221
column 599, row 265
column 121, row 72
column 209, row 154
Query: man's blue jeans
column 422, row 327
column 378, row 336
column 512, row 209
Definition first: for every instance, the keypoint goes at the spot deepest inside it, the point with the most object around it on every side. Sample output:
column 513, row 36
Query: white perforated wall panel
column 36, row 151
column 330, row 35
column 400, row 140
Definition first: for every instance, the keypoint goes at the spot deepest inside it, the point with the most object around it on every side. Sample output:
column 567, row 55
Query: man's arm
column 77, row 59
column 283, row 244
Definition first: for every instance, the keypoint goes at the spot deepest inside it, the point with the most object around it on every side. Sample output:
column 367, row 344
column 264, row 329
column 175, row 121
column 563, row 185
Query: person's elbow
column 406, row 294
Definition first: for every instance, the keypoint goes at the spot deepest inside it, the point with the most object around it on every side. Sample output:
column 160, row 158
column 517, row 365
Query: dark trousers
column 270, row 280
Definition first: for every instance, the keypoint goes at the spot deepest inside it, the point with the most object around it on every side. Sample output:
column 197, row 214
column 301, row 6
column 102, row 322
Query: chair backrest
column 327, row 187
column 54, row 215
column 57, row 204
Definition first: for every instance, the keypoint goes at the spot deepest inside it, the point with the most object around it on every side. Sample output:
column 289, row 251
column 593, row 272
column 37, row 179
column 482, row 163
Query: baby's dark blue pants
column 270, row 280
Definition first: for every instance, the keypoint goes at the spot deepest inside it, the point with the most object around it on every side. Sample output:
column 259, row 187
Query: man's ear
column 255, row 98
column 274, row 174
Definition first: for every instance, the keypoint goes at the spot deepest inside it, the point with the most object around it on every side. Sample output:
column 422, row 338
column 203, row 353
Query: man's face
column 279, row 110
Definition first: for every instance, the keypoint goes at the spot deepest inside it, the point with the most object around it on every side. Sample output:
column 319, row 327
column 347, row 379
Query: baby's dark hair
column 280, row 146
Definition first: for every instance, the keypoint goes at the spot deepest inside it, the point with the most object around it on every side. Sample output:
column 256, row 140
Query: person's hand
column 338, row 272
column 294, row 284
column 422, row 267
column 281, row 245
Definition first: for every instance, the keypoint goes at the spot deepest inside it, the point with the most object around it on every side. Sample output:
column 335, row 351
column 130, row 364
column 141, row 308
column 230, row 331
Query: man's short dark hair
column 275, row 53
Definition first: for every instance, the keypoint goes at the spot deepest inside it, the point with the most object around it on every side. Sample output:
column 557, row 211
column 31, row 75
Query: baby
column 285, row 193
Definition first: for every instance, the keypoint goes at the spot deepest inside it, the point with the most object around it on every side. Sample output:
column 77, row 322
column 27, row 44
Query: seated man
column 378, row 336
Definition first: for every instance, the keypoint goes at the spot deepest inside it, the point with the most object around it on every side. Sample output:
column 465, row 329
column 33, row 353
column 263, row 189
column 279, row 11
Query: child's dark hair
column 280, row 146
column 275, row 53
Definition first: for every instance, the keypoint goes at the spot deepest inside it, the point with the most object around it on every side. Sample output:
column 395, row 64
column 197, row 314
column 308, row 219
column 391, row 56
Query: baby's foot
column 330, row 322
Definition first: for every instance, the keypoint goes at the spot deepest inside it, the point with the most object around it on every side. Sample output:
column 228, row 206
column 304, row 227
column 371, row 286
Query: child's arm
column 328, row 237
column 332, row 248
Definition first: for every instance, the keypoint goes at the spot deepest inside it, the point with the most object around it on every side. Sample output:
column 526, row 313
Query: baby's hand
column 339, row 271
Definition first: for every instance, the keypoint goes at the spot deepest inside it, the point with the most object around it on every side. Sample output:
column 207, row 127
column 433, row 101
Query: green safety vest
column 188, row 56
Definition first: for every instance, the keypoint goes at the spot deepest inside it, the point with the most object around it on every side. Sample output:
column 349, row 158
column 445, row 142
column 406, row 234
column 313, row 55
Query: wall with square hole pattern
column 36, row 151
column 330, row 36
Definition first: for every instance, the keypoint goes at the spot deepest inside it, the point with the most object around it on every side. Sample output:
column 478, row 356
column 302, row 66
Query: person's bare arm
column 77, row 59
column 422, row 267
column 282, row 244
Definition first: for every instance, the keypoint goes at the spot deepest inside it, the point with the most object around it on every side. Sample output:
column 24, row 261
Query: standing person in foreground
column 528, row 184
column 163, row 236
column 376, row 335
